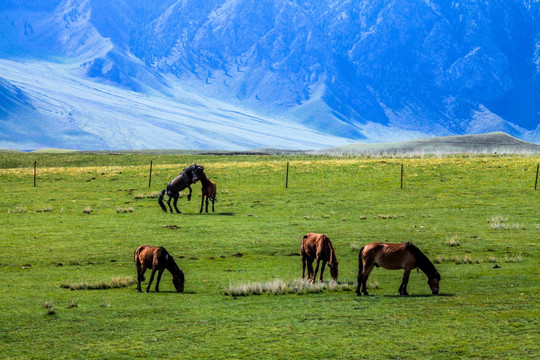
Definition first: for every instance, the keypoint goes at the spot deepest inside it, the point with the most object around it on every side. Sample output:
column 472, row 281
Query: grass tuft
column 452, row 241
column 152, row 195
column 279, row 287
column 385, row 216
column 356, row 247
column 116, row 282
column 49, row 306
column 124, row 210
column 499, row 222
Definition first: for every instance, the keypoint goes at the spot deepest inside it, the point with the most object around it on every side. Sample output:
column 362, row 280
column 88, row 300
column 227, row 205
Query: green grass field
column 89, row 212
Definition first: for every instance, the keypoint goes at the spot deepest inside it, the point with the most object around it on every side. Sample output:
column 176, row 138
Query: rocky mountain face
column 367, row 70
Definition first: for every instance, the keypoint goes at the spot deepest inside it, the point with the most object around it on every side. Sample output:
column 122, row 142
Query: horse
column 188, row 176
column 394, row 257
column 208, row 191
column 157, row 259
column 318, row 247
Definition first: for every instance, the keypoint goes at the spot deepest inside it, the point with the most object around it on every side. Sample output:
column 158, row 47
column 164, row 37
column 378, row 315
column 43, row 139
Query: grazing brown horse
column 157, row 259
column 188, row 176
column 208, row 190
column 318, row 247
column 394, row 257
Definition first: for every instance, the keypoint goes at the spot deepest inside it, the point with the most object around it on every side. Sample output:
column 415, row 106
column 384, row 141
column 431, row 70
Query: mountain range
column 243, row 74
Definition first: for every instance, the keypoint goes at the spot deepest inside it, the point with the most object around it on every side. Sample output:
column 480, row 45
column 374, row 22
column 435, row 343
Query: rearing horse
column 393, row 257
column 188, row 176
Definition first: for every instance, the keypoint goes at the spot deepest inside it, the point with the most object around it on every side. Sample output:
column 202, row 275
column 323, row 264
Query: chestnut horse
column 208, row 191
column 393, row 257
column 188, row 176
column 318, row 247
column 157, row 259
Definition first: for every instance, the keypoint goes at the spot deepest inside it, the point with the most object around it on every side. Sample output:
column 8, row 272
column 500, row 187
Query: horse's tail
column 138, row 264
column 302, row 248
column 332, row 261
column 160, row 200
column 360, row 263
column 360, row 270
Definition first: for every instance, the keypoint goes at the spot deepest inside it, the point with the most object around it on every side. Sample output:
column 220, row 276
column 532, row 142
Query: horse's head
column 178, row 281
column 334, row 270
column 197, row 171
column 433, row 283
column 178, row 275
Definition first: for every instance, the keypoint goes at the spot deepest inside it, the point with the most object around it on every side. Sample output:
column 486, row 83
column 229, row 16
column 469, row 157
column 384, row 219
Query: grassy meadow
column 476, row 217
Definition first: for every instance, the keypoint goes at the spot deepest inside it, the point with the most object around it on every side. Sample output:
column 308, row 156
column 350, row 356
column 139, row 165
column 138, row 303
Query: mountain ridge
column 355, row 69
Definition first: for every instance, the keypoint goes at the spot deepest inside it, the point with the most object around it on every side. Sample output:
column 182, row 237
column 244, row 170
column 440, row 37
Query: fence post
column 536, row 181
column 287, row 176
column 150, row 177
column 35, row 172
column 401, row 186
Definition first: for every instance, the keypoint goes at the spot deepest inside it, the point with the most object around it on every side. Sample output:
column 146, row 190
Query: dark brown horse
column 394, row 257
column 208, row 191
column 157, row 259
column 318, row 247
column 188, row 176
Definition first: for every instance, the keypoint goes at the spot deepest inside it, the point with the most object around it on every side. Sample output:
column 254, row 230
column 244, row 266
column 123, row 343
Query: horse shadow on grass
column 171, row 292
column 215, row 213
column 417, row 295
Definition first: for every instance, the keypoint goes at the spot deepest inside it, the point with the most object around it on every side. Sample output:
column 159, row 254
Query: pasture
column 476, row 217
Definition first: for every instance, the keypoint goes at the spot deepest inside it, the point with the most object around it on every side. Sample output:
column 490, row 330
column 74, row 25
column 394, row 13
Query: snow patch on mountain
column 113, row 118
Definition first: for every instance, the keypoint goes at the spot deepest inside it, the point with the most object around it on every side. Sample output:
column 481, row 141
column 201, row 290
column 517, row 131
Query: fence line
column 536, row 181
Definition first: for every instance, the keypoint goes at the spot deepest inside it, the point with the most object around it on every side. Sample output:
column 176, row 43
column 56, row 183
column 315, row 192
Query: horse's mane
column 332, row 261
column 190, row 168
column 172, row 266
column 422, row 261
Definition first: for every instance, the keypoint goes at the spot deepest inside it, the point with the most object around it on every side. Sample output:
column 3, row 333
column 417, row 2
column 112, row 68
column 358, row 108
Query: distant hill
column 491, row 143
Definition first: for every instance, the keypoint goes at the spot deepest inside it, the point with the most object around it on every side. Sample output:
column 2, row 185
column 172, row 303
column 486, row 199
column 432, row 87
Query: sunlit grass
column 488, row 281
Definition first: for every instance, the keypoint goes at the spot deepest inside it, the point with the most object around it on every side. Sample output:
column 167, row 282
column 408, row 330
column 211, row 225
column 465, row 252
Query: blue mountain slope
column 372, row 70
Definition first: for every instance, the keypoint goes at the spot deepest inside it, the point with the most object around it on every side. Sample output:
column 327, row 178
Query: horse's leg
column 169, row 201
column 310, row 276
column 175, row 202
column 207, row 204
column 151, row 279
column 365, row 275
column 359, row 283
column 316, row 269
column 213, row 200
column 140, row 277
column 304, row 267
column 360, row 271
column 189, row 195
column 202, row 203
column 404, row 282
column 322, row 269
column 160, row 272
